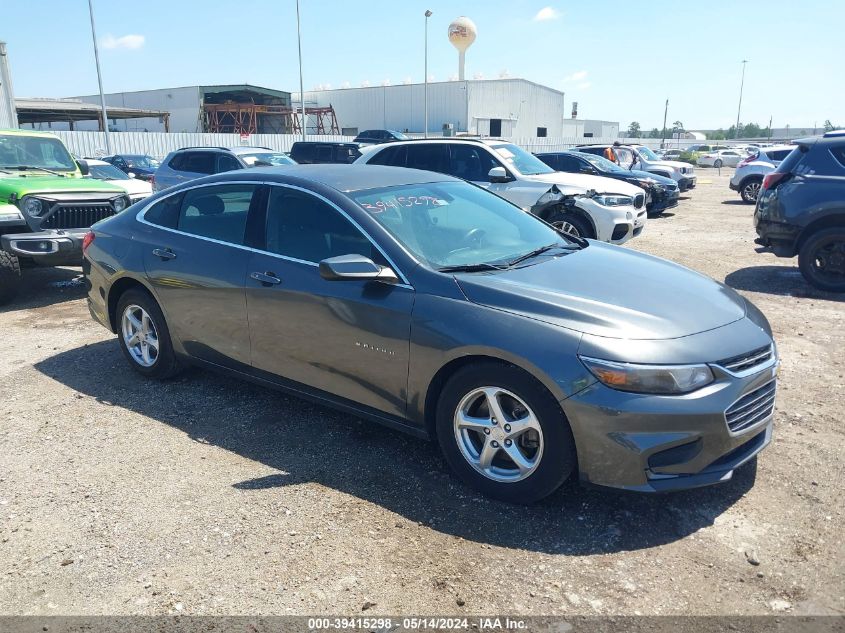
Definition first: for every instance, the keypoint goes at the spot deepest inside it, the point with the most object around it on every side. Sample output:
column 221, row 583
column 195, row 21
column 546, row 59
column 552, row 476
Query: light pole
column 100, row 79
column 739, row 108
column 427, row 16
column 301, row 91
column 665, row 112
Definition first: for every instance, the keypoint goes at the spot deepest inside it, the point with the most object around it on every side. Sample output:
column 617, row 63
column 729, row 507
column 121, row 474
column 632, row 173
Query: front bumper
column 649, row 443
column 49, row 248
column 665, row 200
column 685, row 183
column 615, row 225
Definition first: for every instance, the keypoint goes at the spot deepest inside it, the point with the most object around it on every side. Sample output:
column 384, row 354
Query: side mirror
column 498, row 174
column 83, row 166
column 131, row 174
column 355, row 268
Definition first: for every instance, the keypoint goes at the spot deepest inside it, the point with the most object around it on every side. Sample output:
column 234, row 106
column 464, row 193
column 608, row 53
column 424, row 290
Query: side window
column 165, row 212
column 839, row 154
column 198, row 162
column 304, row 227
column 470, row 163
column 177, row 162
column 324, row 153
column 570, row 164
column 219, row 212
column 779, row 155
column 430, row 156
column 227, row 162
column 394, row 156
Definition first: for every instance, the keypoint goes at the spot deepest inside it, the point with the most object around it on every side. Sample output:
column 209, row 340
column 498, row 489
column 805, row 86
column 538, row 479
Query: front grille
column 77, row 216
column 753, row 407
column 751, row 359
column 639, row 200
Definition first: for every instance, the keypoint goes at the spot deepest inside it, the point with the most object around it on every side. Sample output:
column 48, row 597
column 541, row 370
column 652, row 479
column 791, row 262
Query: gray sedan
column 430, row 305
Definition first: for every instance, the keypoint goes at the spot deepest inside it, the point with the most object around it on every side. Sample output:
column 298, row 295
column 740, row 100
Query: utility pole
column 100, row 79
column 739, row 108
column 770, row 127
column 427, row 16
column 665, row 112
column 301, row 90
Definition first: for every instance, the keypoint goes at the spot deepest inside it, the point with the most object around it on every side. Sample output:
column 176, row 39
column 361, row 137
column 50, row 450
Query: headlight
column 32, row 206
column 613, row 201
column 656, row 379
column 550, row 196
column 119, row 204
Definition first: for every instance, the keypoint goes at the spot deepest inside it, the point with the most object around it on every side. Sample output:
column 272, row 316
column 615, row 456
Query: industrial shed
column 491, row 107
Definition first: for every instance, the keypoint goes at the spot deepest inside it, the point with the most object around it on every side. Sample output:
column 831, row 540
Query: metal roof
column 46, row 110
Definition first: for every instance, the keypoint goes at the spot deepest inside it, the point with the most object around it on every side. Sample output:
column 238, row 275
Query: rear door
column 195, row 259
column 349, row 338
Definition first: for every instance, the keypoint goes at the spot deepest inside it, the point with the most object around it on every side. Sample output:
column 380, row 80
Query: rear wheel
column 10, row 277
column 503, row 433
column 144, row 337
column 571, row 224
column 718, row 163
column 822, row 259
column 750, row 189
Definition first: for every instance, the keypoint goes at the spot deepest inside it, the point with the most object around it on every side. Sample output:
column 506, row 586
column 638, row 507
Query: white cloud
column 581, row 75
column 584, row 86
column 130, row 42
column 547, row 13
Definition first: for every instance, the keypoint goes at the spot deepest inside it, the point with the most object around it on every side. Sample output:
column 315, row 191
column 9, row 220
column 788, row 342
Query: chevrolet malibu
column 431, row 305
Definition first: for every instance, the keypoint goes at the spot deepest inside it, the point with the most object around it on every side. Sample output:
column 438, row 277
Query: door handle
column 164, row 253
column 267, row 279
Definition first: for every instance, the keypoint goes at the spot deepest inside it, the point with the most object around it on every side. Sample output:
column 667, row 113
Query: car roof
column 343, row 178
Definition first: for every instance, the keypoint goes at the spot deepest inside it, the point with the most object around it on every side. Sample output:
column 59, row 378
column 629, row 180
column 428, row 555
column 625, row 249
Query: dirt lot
column 209, row 496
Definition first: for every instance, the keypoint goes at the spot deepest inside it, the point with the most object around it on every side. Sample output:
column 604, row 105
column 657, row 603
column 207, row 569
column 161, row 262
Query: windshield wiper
column 537, row 251
column 28, row 167
column 469, row 268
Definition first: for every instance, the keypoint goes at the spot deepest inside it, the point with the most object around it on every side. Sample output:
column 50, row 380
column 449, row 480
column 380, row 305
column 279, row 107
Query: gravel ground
column 207, row 495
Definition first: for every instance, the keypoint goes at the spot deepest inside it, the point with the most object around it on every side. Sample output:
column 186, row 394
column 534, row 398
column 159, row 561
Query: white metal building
column 8, row 118
column 489, row 107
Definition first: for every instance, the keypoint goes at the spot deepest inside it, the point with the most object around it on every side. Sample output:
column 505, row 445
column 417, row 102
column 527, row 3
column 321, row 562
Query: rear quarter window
column 839, row 155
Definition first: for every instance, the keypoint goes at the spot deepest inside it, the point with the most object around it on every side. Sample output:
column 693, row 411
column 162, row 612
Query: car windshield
column 35, row 151
column 399, row 136
column 602, row 163
column 142, row 162
column 524, row 162
column 106, row 172
column 447, row 224
column 644, row 151
column 271, row 158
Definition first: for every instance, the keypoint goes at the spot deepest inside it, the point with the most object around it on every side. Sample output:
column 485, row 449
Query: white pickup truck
column 641, row 158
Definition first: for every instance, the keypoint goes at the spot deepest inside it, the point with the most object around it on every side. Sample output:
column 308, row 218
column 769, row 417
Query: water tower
column 462, row 34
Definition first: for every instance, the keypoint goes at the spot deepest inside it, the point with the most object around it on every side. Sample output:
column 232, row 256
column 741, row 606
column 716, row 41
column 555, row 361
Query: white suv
column 586, row 206
column 749, row 174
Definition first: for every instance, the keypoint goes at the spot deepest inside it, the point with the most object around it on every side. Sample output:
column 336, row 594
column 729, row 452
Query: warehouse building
column 219, row 108
column 491, row 107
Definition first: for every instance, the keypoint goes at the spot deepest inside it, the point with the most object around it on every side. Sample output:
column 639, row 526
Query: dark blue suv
column 801, row 210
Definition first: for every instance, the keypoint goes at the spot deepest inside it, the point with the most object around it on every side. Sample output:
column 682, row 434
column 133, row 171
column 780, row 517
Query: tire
column 10, row 277
column 548, row 455
column 140, row 304
column 571, row 223
column 822, row 259
column 750, row 189
column 718, row 163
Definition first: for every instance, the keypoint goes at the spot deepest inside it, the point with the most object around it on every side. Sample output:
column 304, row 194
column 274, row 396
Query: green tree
column 634, row 130
column 716, row 135
column 751, row 130
column 829, row 127
column 655, row 133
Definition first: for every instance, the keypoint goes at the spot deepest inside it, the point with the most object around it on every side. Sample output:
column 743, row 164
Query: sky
column 620, row 60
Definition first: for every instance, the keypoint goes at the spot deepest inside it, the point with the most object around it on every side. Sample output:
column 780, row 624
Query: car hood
column 663, row 180
column 133, row 186
column 675, row 164
column 24, row 183
column 585, row 181
column 609, row 291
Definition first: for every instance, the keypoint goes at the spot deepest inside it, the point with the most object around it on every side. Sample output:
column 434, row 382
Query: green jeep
column 46, row 206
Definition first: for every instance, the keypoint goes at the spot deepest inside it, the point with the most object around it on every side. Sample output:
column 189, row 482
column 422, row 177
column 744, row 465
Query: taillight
column 771, row 180
column 87, row 240
column 745, row 161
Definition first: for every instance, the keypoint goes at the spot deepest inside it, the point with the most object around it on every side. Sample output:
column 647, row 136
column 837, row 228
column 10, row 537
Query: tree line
column 749, row 130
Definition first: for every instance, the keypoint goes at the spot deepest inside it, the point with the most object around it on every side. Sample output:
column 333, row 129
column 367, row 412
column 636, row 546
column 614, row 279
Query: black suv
column 379, row 136
column 307, row 152
column 661, row 193
column 801, row 210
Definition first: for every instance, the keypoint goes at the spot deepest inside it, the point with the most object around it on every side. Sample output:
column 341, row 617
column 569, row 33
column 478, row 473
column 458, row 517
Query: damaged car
column 581, row 205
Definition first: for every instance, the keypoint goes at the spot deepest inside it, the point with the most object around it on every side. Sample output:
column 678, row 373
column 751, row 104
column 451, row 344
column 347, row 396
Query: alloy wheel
column 752, row 190
column 140, row 335
column 498, row 434
column 567, row 228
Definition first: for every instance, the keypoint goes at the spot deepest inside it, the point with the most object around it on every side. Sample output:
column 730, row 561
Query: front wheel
column 10, row 277
column 503, row 433
column 571, row 224
column 750, row 190
column 718, row 164
column 822, row 259
column 144, row 337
